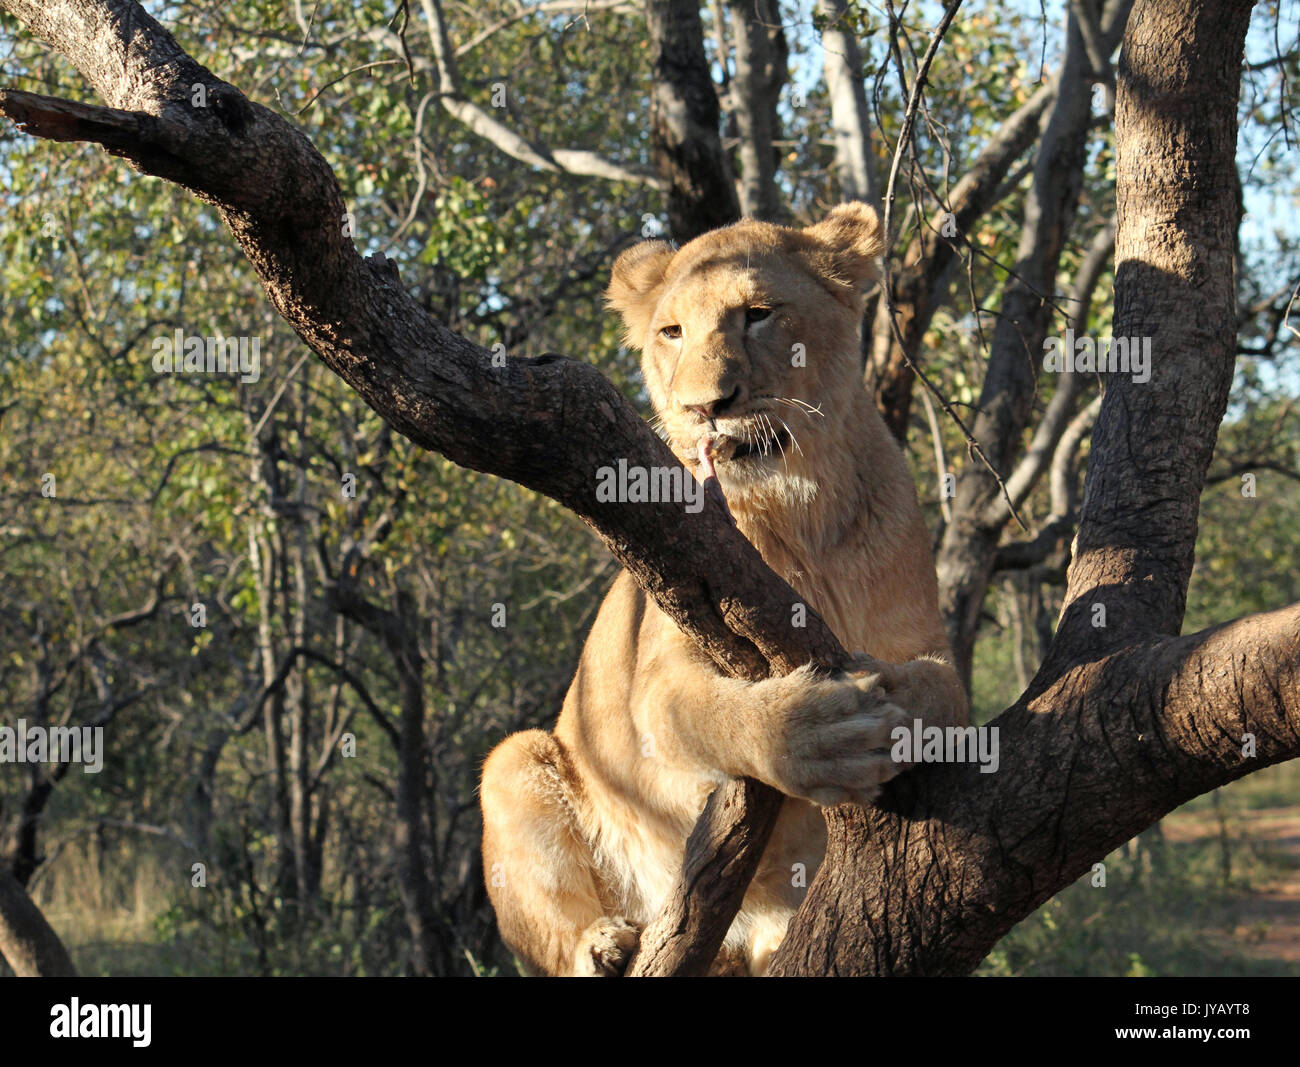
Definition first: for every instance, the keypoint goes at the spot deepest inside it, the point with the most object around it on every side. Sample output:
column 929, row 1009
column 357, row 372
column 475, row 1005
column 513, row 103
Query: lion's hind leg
column 539, row 869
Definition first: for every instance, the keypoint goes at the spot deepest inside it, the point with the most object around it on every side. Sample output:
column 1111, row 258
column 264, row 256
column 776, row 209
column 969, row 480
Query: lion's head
column 750, row 340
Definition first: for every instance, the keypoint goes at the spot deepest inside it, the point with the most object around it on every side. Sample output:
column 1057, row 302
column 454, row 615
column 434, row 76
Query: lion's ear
column 845, row 246
column 634, row 286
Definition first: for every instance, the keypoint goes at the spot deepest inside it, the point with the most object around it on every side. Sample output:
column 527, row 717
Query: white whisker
column 793, row 440
column 785, row 460
column 802, row 405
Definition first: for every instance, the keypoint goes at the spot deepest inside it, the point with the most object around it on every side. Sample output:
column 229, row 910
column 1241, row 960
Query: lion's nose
column 718, row 405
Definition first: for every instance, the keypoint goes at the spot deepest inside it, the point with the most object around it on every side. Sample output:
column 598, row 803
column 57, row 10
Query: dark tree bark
column 1179, row 208
column 1097, row 751
column 685, row 143
column 761, row 57
column 951, row 859
column 27, row 942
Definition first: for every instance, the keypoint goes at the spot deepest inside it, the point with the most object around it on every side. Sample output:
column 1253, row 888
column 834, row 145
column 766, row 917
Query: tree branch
column 1134, row 734
column 577, row 161
column 924, row 264
column 684, row 121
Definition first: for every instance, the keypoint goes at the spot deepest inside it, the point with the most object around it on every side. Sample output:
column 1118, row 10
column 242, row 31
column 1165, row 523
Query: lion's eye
column 670, row 333
column 753, row 315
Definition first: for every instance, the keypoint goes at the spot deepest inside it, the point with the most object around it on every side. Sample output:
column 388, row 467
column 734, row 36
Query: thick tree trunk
column 27, row 942
column 685, row 144
column 929, row 882
column 1175, row 282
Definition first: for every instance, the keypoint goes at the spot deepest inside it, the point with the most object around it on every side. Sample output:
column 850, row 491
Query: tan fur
column 584, row 829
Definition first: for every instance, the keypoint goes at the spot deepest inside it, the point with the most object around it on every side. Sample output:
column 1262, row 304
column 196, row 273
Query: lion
column 750, row 340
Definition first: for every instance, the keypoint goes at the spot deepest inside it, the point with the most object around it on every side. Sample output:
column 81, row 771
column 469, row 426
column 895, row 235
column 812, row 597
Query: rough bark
column 1175, row 282
column 722, row 856
column 927, row 883
column 27, row 942
column 685, row 145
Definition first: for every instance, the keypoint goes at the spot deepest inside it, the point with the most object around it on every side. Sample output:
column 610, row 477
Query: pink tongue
column 709, row 475
column 706, row 459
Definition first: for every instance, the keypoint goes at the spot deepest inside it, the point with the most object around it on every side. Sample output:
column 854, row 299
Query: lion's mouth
column 755, row 443
column 762, row 445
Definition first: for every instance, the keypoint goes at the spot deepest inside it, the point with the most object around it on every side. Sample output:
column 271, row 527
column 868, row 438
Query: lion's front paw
column 834, row 739
column 605, row 948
